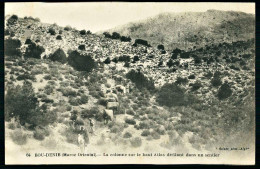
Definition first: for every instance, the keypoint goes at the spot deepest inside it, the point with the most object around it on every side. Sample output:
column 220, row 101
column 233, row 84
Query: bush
column 34, row 51
column 107, row 35
column 130, row 121
column 125, row 39
column 136, row 58
column 136, row 142
column 170, row 95
column 12, row 20
column 82, row 32
column 130, row 112
column 67, row 28
column 145, row 133
column 127, row 135
column 124, row 58
column 81, row 62
column 216, row 81
column 82, row 47
column 39, row 133
column 196, row 86
column 52, row 31
column 115, row 35
column 59, row 56
column 191, row 77
column 140, row 80
column 59, row 37
column 107, row 61
column 142, row 42
column 83, row 99
column 12, row 47
column 181, row 80
column 155, row 135
column 224, row 92
column 160, row 47
column 28, row 41
column 19, row 137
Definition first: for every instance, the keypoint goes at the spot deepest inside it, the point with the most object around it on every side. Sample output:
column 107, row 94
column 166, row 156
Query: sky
column 98, row 16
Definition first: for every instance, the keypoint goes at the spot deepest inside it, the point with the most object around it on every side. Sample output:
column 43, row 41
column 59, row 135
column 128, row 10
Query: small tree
column 160, row 47
column 224, row 91
column 12, row 47
column 81, row 62
column 125, row 39
column 59, row 55
column 12, row 20
column 34, row 51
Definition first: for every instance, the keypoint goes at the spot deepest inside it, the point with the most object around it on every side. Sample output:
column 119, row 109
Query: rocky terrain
column 175, row 99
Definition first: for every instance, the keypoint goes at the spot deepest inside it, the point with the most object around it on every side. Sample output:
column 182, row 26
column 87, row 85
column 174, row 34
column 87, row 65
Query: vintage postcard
column 129, row 83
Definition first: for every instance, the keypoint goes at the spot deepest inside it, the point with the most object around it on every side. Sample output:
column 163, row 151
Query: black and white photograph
column 129, row 83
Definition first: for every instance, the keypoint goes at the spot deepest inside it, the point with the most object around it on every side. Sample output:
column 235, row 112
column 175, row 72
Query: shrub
column 107, row 35
column 136, row 58
column 28, row 41
column 59, row 37
column 52, row 31
column 136, row 142
column 12, row 20
column 185, row 55
column 107, row 61
column 82, row 32
column 216, row 81
column 7, row 32
column 12, row 47
column 34, row 51
column 127, row 135
column 60, row 32
column 59, row 56
column 130, row 112
column 160, row 47
column 81, row 62
column 155, row 135
column 124, row 58
column 170, row 95
column 142, row 42
column 224, row 92
column 73, row 101
column 83, row 99
column 145, row 133
column 196, row 86
column 125, row 39
column 127, row 64
column 115, row 60
column 82, row 47
column 115, row 35
column 130, row 121
column 102, row 102
column 191, row 77
column 39, row 133
column 67, row 28
column 140, row 80
column 181, row 80
column 19, row 137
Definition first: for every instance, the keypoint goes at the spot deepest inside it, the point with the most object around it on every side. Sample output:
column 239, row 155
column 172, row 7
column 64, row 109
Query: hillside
column 189, row 29
column 56, row 78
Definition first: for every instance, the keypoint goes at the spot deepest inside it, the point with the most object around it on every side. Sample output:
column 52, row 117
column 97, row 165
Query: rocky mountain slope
column 180, row 99
column 188, row 29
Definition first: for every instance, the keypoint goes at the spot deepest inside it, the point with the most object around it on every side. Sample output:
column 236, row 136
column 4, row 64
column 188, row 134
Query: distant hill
column 189, row 29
